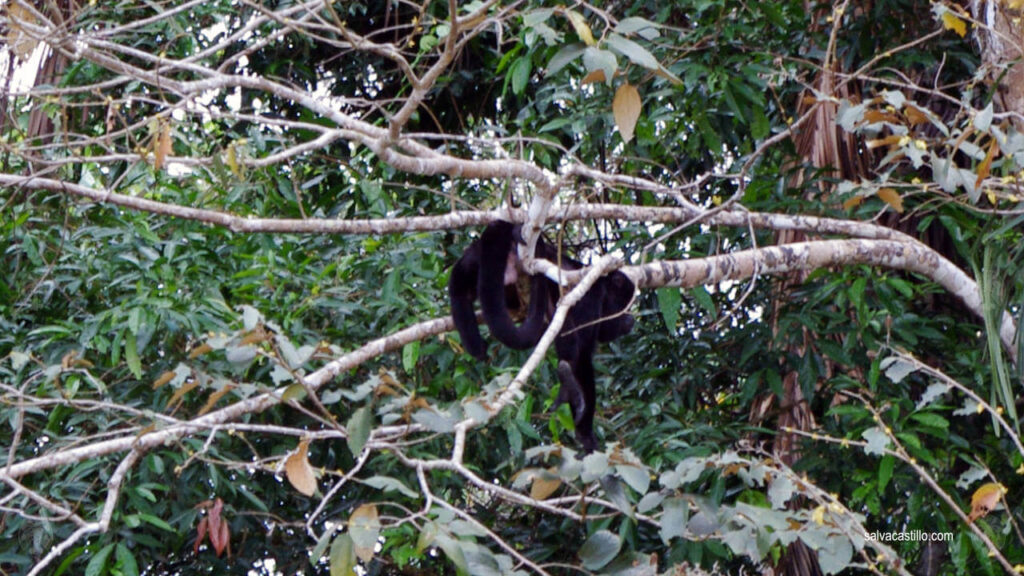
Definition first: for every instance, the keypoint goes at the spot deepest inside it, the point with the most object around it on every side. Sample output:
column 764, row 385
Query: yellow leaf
column 985, row 499
column 163, row 379
column 364, row 526
column 294, row 391
column 891, row 197
column 17, row 38
column 179, row 395
column 915, row 115
column 626, row 108
column 852, row 202
column 163, row 146
column 544, row 485
column 579, row 23
column 199, row 351
column 593, row 77
column 818, row 515
column 953, row 22
column 300, row 474
column 212, row 400
column 985, row 168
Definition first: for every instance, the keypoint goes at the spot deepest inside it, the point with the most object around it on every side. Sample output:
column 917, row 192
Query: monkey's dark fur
column 490, row 264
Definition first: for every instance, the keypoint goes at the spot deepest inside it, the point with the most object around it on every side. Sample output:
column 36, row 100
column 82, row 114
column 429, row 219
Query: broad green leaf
column 599, row 549
column 343, row 556
column 98, row 563
column 704, row 300
column 126, row 561
column 636, row 25
column 131, row 355
column 358, row 427
column 410, row 356
column 563, row 57
column 321, row 547
column 388, row 484
column 885, row 468
column 453, row 550
column 636, row 53
column 674, row 520
column 595, row 59
column 638, row 478
column 613, row 490
column 520, row 74
column 669, row 301
column 364, row 525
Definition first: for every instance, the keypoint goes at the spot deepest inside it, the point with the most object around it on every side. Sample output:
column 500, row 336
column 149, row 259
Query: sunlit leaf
column 985, row 499
column 891, row 197
column 364, row 525
column 298, row 470
column 953, row 22
column 544, row 485
column 579, row 24
column 626, row 109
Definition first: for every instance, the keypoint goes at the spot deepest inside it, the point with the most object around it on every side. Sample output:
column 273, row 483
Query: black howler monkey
column 490, row 264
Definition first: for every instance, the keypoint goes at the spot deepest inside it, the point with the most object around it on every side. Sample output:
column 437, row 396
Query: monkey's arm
column 462, row 285
column 498, row 267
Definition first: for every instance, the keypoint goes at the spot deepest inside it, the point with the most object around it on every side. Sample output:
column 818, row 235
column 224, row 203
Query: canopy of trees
column 227, row 227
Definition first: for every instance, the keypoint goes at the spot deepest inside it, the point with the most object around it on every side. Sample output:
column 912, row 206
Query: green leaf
column 674, row 520
column 669, row 301
column 563, row 57
column 131, row 355
column 358, row 428
column 599, row 549
column 98, row 564
column 604, row 60
column 885, row 468
column 453, row 550
column 637, row 478
column 877, row 441
column 157, row 522
column 704, row 300
column 520, row 74
column 321, row 547
column 930, row 419
column 126, row 561
column 388, row 484
column 410, row 356
column 343, row 556
column 364, row 526
column 640, row 26
column 613, row 491
column 636, row 53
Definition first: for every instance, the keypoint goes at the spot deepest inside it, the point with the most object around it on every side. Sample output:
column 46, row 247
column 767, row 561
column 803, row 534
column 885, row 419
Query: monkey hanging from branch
column 485, row 271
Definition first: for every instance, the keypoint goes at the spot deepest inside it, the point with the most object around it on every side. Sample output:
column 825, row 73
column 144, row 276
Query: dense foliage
column 122, row 321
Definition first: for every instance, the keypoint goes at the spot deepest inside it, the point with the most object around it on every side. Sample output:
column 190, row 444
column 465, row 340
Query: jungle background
column 226, row 230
